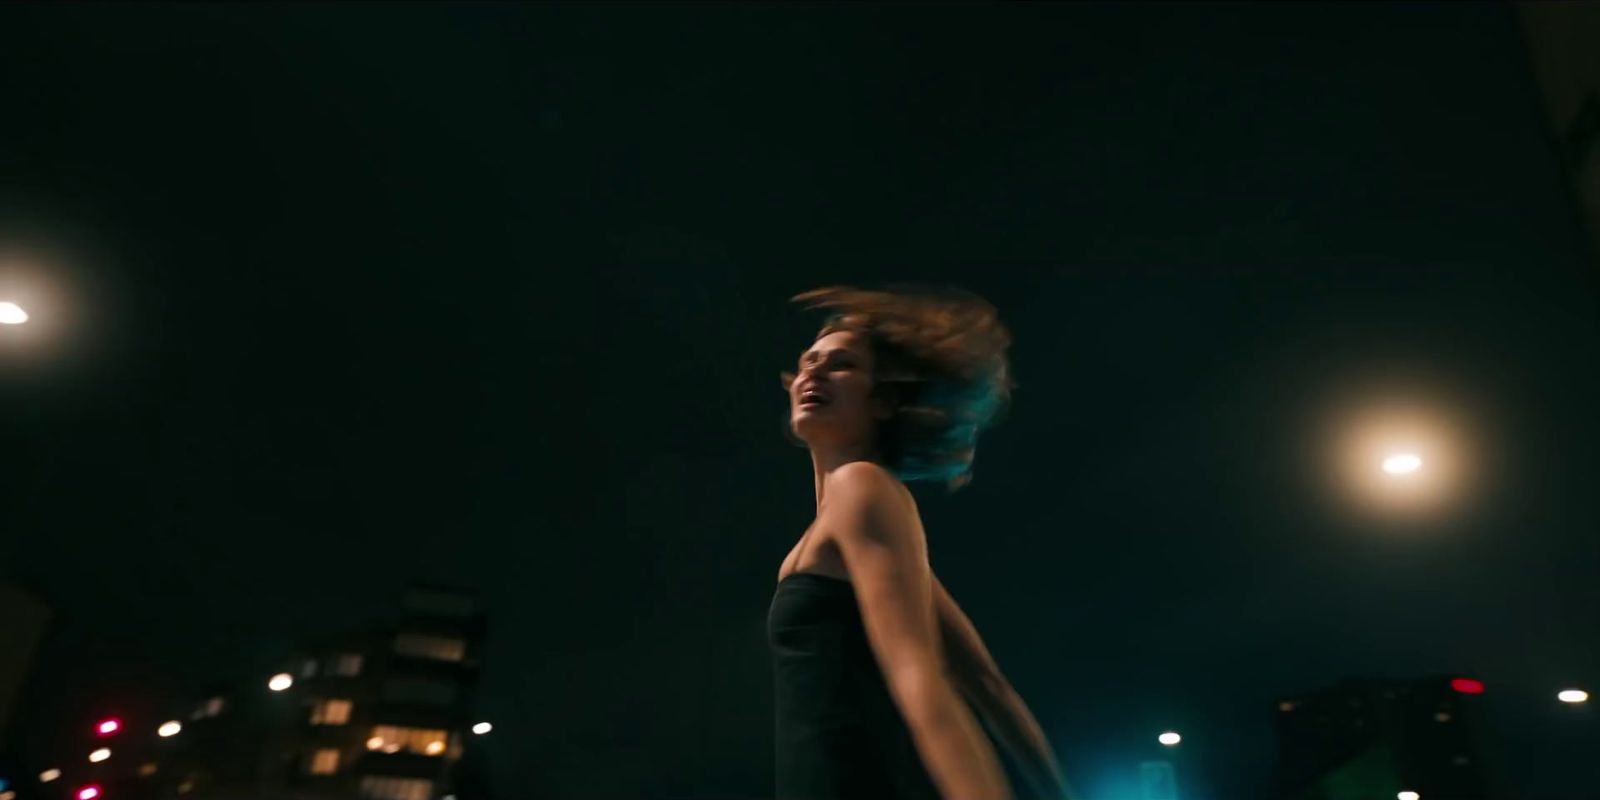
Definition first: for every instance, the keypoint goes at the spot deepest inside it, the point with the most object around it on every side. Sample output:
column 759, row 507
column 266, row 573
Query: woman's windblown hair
column 940, row 354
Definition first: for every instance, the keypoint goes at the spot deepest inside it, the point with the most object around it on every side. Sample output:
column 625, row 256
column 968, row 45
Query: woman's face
column 838, row 367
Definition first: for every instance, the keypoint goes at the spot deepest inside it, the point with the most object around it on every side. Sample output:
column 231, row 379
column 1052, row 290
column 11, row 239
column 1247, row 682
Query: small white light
column 280, row 681
column 482, row 728
column 49, row 775
column 100, row 755
column 1573, row 696
column 12, row 314
column 1402, row 463
column 1408, row 796
column 1169, row 738
column 172, row 728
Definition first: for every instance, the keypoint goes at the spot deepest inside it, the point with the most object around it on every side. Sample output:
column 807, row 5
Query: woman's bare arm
column 978, row 678
column 879, row 540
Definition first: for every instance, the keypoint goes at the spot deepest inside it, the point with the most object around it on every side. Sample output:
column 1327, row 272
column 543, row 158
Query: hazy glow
column 280, row 681
column 1573, row 696
column 1394, row 459
column 100, row 755
column 88, row 793
column 49, row 775
column 482, row 728
column 435, row 747
column 172, row 728
column 1169, row 738
column 12, row 314
column 1408, row 796
column 375, row 743
column 109, row 726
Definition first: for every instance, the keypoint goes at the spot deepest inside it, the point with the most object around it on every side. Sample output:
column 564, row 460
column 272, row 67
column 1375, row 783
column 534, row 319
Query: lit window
column 393, row 739
column 417, row 690
column 332, row 711
column 346, row 664
column 385, row 788
column 421, row 645
column 325, row 761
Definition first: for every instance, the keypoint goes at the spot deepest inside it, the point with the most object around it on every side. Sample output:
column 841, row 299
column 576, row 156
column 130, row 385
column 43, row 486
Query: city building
column 386, row 711
column 1379, row 739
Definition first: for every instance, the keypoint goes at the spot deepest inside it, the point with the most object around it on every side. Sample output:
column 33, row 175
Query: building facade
column 1368, row 738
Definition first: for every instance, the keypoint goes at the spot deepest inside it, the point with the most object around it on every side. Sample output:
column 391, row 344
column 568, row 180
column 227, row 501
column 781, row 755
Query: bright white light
column 280, row 681
column 1169, row 738
column 169, row 729
column 1573, row 696
column 1408, row 796
column 482, row 728
column 12, row 314
column 49, row 775
column 1402, row 463
column 100, row 755
column 88, row 793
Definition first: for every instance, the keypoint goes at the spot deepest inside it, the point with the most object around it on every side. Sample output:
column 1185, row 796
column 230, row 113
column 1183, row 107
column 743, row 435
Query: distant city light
column 1408, row 796
column 375, row 743
column 482, row 728
column 100, row 755
column 1573, row 696
column 172, row 728
column 1169, row 738
column 49, row 775
column 88, row 793
column 280, row 681
column 108, row 727
column 435, row 747
column 12, row 314
column 1402, row 463
column 1467, row 685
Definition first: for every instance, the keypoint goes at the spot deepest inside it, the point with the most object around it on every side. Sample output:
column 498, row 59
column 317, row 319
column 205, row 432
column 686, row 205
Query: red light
column 88, row 793
column 108, row 727
column 1466, row 685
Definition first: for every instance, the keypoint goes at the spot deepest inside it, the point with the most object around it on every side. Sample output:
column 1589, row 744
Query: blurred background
column 389, row 400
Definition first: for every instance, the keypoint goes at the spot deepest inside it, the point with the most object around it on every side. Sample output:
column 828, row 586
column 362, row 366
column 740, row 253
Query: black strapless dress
column 839, row 734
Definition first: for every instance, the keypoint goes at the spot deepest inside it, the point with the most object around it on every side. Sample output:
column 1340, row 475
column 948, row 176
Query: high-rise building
column 1369, row 738
column 383, row 712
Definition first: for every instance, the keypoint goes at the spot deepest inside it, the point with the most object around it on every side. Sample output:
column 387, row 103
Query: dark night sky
column 497, row 296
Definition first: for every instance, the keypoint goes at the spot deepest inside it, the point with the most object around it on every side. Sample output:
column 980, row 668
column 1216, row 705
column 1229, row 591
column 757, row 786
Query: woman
column 874, row 663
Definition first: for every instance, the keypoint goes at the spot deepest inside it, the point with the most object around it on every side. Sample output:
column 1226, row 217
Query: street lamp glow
column 1408, row 796
column 482, row 728
column 1402, row 463
column 100, row 755
column 49, row 775
column 169, row 729
column 1169, row 738
column 88, row 793
column 108, row 727
column 280, row 681
column 1573, row 696
column 12, row 314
